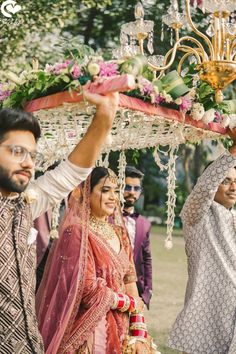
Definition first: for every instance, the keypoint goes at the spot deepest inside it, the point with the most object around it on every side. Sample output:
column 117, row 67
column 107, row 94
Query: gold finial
column 139, row 11
column 219, row 96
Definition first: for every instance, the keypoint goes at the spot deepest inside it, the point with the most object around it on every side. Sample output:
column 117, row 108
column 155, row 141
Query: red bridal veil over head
column 62, row 285
column 60, row 293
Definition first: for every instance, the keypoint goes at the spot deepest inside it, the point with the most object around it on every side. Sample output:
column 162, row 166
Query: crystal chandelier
column 215, row 53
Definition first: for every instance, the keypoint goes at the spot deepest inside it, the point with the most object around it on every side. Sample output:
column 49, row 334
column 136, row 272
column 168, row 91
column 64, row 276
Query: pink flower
column 159, row 99
column 218, row 117
column 75, row 73
column 145, row 86
column 198, row 2
column 57, row 68
column 4, row 94
column 48, row 68
column 185, row 105
column 108, row 69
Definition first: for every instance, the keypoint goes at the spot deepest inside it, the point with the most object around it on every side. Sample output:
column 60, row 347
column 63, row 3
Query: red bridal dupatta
column 62, row 284
column 79, row 279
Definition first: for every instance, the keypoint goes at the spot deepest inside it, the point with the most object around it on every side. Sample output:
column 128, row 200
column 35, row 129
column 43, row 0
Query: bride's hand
column 140, row 305
column 141, row 348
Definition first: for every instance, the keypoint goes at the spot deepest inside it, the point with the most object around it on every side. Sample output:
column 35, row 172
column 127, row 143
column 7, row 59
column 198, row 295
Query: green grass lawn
column 169, row 281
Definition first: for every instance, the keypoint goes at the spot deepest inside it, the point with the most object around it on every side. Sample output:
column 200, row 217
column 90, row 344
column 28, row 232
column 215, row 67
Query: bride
column 88, row 300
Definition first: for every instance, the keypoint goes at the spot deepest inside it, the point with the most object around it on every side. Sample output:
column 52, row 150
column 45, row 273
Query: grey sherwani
column 18, row 324
column 206, row 325
column 19, row 332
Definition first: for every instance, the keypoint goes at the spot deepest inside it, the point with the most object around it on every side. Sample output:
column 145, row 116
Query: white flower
column 225, row 121
column 93, row 68
column 30, row 196
column 196, row 78
column 12, row 77
column 8, row 86
column 168, row 244
column 232, row 123
column 209, row 116
column 23, row 76
column 167, row 97
column 96, row 58
column 197, row 111
column 192, row 93
column 178, row 101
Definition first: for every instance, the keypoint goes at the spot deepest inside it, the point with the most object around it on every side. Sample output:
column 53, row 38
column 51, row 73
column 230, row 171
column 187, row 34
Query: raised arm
column 202, row 196
column 86, row 152
column 55, row 185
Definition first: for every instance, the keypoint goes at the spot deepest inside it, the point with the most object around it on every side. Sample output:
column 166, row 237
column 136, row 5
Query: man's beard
column 7, row 184
column 129, row 203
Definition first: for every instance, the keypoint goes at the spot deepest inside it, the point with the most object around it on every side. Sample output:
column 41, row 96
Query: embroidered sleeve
column 202, row 196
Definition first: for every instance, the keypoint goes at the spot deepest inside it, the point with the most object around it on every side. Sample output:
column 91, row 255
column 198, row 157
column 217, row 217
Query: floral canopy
column 167, row 111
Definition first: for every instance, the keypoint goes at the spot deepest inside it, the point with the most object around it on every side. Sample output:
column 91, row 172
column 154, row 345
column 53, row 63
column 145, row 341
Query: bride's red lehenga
column 76, row 293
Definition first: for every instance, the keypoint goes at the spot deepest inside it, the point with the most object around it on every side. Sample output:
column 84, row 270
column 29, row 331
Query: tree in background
column 35, row 31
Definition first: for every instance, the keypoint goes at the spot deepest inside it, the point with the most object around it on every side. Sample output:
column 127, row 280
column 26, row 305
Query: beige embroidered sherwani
column 18, row 324
column 206, row 325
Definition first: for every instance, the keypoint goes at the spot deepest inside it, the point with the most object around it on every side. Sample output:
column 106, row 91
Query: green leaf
column 65, row 78
column 38, row 85
column 31, row 90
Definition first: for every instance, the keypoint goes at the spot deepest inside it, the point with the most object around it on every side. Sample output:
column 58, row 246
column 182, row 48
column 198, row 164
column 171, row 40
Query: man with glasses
column 139, row 231
column 207, row 323
column 21, row 201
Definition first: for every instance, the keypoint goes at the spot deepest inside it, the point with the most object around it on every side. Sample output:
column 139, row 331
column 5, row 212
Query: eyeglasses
column 228, row 181
column 20, row 154
column 129, row 188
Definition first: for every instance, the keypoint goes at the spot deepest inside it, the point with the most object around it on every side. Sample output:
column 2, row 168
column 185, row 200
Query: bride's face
column 104, row 198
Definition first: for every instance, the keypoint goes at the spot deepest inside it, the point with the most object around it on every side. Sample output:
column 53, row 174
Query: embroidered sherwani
column 18, row 325
column 206, row 325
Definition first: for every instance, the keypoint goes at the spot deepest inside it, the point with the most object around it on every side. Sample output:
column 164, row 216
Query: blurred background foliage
column 43, row 28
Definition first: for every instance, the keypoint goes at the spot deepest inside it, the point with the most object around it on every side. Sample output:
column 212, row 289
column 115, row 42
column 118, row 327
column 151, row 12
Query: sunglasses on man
column 129, row 188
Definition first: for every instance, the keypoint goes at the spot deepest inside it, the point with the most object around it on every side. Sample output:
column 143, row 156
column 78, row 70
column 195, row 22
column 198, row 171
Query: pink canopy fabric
column 121, row 83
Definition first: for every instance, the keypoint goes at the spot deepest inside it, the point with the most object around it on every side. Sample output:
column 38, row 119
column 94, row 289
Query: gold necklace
column 102, row 228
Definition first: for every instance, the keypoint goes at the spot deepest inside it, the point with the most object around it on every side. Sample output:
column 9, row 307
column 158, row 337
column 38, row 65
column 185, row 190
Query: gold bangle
column 139, row 325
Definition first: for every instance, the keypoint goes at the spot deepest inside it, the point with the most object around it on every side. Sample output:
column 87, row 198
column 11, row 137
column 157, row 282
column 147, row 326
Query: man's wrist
column 107, row 111
column 102, row 121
